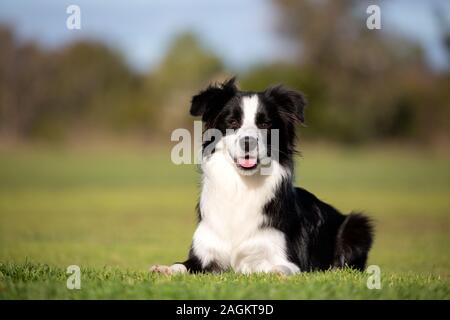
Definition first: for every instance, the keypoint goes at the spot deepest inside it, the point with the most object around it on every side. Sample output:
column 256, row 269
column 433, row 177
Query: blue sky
column 243, row 33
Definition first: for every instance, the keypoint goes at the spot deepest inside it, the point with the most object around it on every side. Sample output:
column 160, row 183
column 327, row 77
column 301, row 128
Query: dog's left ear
column 292, row 102
column 213, row 98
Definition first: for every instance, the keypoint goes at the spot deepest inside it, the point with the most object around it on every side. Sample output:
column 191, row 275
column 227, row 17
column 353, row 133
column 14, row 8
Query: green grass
column 114, row 212
column 31, row 281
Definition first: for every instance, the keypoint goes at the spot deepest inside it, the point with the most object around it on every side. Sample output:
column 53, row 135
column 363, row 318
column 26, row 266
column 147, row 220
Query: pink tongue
column 247, row 163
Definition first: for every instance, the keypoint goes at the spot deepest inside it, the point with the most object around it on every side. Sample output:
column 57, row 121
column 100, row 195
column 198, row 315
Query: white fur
column 231, row 206
column 175, row 268
column 178, row 267
column 250, row 107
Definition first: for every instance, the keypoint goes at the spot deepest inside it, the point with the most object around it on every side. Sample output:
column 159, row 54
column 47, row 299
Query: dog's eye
column 265, row 125
column 234, row 124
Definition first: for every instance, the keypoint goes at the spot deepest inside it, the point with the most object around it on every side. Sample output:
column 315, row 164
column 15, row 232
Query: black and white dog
column 252, row 222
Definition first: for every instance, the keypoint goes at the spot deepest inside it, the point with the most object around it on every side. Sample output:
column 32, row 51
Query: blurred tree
column 186, row 63
column 94, row 83
column 362, row 85
column 24, row 94
column 369, row 78
column 186, row 67
column 85, row 84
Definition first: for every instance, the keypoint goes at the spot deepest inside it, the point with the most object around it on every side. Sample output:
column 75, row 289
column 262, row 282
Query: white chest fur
column 231, row 207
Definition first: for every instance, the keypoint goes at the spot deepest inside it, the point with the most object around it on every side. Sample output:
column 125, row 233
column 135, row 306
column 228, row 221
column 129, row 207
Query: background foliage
column 362, row 85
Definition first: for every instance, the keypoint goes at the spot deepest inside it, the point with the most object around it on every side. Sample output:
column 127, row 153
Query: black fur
column 318, row 236
column 194, row 265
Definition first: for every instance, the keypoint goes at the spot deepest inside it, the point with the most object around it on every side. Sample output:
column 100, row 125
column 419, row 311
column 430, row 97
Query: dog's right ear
column 213, row 98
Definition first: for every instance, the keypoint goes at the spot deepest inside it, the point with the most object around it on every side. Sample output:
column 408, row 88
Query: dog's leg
column 267, row 266
column 285, row 269
column 263, row 253
column 209, row 252
column 191, row 265
column 175, row 268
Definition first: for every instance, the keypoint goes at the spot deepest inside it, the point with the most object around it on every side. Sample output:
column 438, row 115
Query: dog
column 251, row 222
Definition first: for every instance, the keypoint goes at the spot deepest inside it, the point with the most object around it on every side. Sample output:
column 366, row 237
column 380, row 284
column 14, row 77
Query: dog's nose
column 248, row 143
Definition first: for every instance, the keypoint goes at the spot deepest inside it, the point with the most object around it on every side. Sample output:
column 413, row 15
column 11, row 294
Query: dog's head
column 250, row 122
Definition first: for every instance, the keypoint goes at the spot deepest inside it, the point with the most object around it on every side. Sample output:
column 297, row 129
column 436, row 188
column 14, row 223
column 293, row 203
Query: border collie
column 252, row 222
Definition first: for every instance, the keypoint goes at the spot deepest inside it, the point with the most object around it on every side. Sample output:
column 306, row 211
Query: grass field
column 116, row 211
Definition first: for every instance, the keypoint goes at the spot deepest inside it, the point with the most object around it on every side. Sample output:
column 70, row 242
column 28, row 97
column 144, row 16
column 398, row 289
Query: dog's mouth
column 247, row 162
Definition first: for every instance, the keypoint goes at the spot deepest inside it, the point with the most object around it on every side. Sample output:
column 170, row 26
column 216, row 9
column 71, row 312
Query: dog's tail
column 354, row 240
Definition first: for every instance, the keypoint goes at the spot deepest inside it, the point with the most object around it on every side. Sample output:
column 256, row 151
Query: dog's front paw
column 175, row 268
column 282, row 270
column 160, row 269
